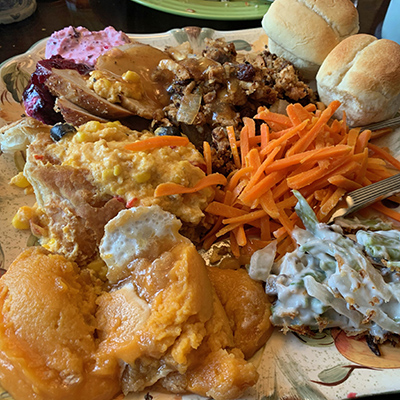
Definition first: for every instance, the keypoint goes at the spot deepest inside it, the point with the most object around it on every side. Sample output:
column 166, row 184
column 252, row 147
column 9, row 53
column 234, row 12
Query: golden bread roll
column 305, row 31
column 363, row 73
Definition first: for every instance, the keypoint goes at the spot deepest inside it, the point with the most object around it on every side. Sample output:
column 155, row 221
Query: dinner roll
column 363, row 73
column 305, row 31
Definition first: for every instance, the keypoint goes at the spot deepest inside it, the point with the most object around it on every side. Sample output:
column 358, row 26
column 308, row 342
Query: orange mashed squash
column 165, row 324
column 47, row 331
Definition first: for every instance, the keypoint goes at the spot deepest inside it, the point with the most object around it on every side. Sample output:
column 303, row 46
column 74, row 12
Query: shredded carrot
column 303, row 143
column 362, row 141
column 303, row 112
column 170, row 188
column 310, row 107
column 389, row 212
column 385, row 155
column 268, row 205
column 307, row 150
column 264, row 132
column 233, row 144
column 253, row 159
column 317, row 154
column 359, row 177
column 245, row 218
column 234, row 246
column 244, row 143
column 306, row 178
column 352, row 137
column 293, row 116
column 251, row 126
column 260, row 171
column 156, row 142
column 240, row 236
column 280, row 119
column 330, row 203
column 286, row 223
column 224, row 210
column 261, row 187
column 343, row 182
column 291, row 132
column 207, row 157
column 237, row 176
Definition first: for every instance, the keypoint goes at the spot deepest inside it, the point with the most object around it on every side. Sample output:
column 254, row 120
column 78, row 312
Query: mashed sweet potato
column 47, row 327
column 182, row 338
column 247, row 307
column 159, row 323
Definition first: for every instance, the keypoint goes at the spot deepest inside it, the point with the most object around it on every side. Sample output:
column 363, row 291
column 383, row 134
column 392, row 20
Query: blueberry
column 61, row 129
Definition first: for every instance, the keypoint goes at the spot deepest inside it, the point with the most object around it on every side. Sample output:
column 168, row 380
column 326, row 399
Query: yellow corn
column 81, row 136
column 22, row 217
column 142, row 177
column 49, row 244
column 104, row 83
column 131, row 77
column 117, row 170
column 20, row 181
column 113, row 124
column 91, row 126
column 107, row 173
column 28, row 190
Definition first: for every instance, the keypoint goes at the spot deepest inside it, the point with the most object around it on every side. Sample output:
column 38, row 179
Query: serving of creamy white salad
column 331, row 280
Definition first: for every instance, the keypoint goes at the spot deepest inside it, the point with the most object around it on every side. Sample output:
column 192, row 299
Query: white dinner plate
column 327, row 367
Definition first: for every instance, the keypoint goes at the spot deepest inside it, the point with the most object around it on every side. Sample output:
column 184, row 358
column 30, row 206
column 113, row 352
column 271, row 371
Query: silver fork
column 367, row 195
column 389, row 123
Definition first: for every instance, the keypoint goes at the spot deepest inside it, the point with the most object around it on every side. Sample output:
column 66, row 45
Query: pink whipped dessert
column 84, row 46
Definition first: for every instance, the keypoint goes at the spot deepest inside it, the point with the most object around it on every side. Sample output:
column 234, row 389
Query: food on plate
column 363, row 73
column 134, row 65
column 305, row 150
column 19, row 134
column 182, row 337
column 305, row 31
column 69, row 84
column 82, row 45
column 86, row 177
column 159, row 323
column 175, row 89
column 47, row 331
column 38, row 101
column 119, row 212
column 120, row 86
column 217, row 89
column 250, row 323
column 331, row 280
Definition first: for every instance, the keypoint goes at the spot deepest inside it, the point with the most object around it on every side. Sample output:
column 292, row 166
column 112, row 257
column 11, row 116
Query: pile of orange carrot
column 306, row 150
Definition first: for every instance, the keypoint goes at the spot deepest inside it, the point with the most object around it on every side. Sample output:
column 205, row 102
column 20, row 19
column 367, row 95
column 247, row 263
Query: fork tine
column 385, row 187
column 367, row 195
column 393, row 122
